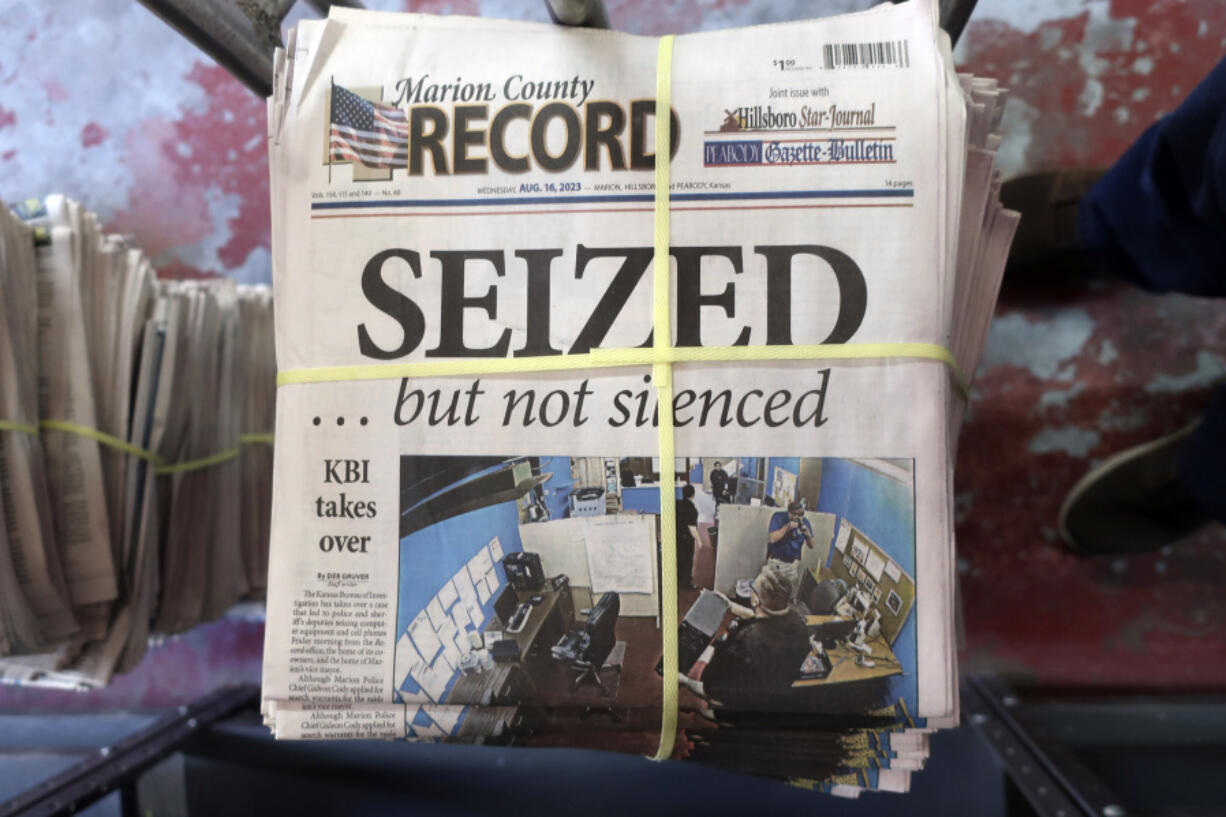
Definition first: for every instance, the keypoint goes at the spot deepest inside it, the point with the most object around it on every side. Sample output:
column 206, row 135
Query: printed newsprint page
column 446, row 548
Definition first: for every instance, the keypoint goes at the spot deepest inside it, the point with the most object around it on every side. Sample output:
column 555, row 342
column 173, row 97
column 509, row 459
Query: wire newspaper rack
column 1055, row 753
column 241, row 34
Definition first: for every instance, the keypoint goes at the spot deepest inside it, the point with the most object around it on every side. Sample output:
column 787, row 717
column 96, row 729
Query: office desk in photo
column 843, row 666
column 547, row 622
column 488, row 724
column 502, row 684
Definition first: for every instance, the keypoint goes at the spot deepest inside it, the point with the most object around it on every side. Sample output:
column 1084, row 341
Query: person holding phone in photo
column 787, row 534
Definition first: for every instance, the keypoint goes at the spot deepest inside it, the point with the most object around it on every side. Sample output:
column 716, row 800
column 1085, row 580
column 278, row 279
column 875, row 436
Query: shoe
column 1133, row 502
column 1045, row 247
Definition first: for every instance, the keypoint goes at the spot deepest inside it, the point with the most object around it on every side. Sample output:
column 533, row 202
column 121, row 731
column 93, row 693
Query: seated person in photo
column 719, row 484
column 626, row 475
column 754, row 666
column 687, row 537
column 788, row 532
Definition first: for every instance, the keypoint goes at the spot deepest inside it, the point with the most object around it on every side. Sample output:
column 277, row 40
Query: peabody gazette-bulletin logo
column 796, row 142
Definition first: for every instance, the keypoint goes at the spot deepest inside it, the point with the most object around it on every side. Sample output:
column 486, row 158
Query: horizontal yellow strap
column 830, row 351
column 253, row 439
column 101, row 436
column 21, row 428
column 160, row 466
column 608, row 358
column 203, row 462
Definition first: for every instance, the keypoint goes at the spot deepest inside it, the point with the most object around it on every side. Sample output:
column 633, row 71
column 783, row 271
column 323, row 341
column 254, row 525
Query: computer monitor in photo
column 524, row 570
column 506, row 604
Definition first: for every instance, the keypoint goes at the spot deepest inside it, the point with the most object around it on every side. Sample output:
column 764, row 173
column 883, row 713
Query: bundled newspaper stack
column 491, row 288
column 129, row 499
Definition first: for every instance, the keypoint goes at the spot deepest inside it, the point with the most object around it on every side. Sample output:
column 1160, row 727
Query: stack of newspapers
column 130, row 502
column 577, row 446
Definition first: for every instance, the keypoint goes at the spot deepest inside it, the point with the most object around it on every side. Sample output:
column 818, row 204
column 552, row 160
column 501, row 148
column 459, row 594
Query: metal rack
column 1050, row 753
column 241, row 34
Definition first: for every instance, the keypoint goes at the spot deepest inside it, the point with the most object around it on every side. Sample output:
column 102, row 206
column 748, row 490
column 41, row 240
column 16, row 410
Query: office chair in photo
column 585, row 651
column 820, row 598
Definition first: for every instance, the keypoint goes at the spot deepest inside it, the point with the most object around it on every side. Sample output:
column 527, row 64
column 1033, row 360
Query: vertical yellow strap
column 662, row 375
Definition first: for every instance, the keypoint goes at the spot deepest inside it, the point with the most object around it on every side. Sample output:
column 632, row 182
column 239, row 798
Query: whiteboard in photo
column 620, row 554
column 561, row 546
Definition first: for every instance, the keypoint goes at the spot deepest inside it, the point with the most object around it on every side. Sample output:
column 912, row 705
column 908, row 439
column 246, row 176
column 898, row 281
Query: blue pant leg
column 1158, row 217
column 1202, row 459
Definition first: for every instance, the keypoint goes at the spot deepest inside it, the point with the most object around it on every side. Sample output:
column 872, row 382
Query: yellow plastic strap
column 20, row 428
column 662, row 375
column 102, row 437
column 160, row 467
column 264, row 438
column 203, row 462
column 607, row 358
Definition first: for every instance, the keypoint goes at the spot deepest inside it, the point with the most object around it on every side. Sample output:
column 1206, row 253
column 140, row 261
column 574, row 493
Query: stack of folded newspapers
column 496, row 257
column 129, row 499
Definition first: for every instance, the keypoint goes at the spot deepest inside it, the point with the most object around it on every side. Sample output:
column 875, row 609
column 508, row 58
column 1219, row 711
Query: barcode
column 866, row 55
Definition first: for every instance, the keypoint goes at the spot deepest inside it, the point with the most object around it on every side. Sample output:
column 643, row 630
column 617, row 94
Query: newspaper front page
column 456, row 190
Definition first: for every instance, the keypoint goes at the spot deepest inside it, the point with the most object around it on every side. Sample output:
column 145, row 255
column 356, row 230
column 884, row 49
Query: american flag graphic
column 371, row 133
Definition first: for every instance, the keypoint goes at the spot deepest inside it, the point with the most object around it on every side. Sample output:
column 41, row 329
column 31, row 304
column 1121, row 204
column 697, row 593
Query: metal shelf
column 241, row 34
